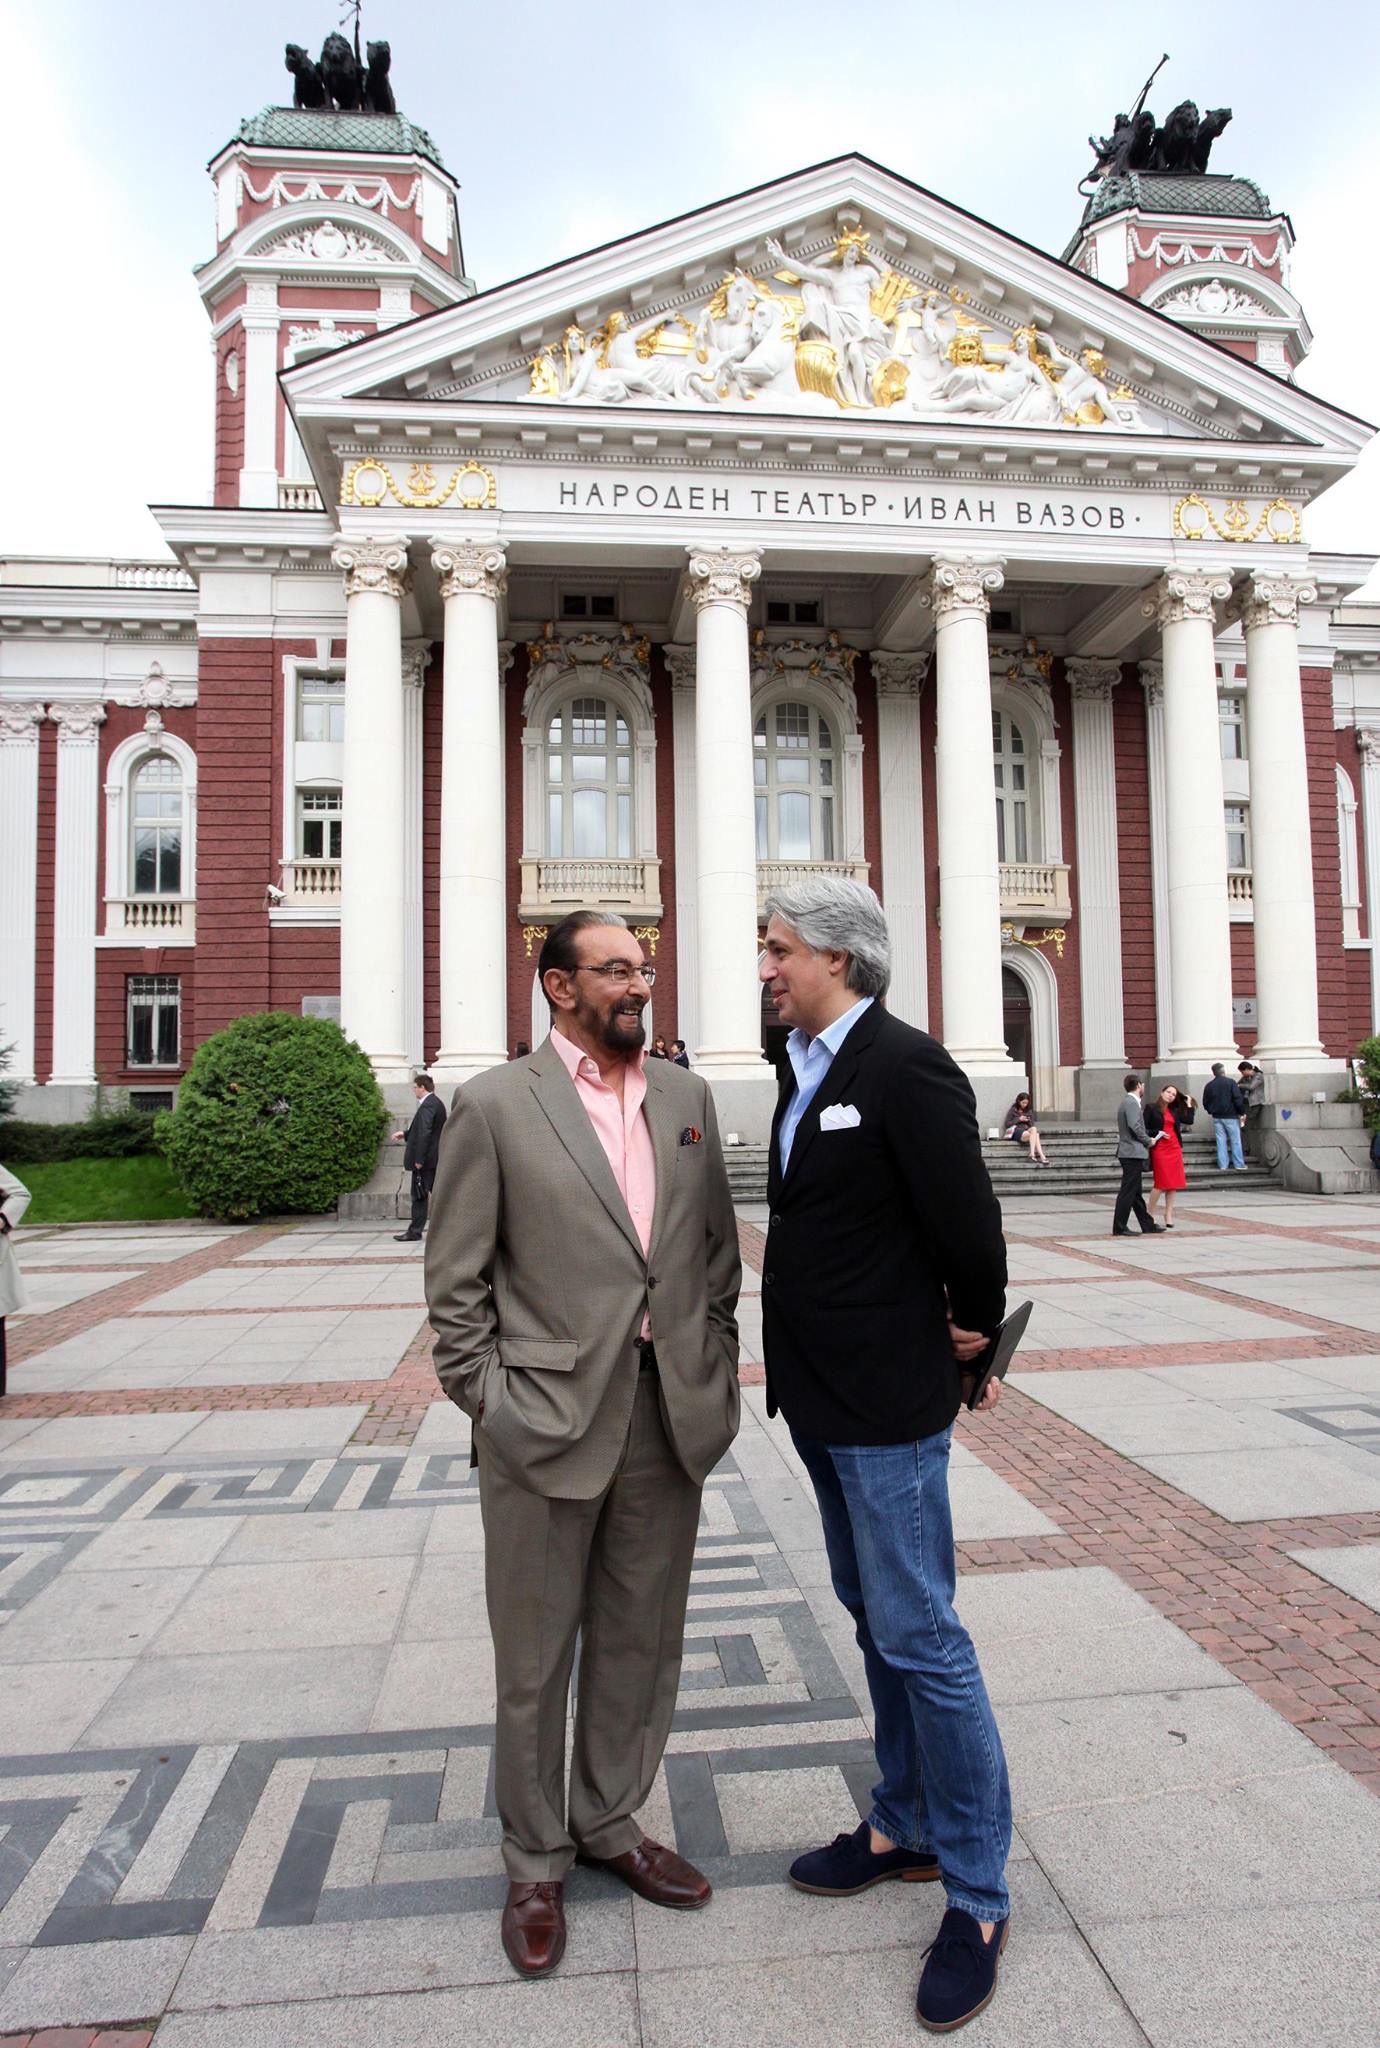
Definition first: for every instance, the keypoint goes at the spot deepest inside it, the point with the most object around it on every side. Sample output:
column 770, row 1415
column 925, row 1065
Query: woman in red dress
column 1166, row 1119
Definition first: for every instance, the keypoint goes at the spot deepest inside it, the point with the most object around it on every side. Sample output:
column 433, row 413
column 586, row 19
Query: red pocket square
column 690, row 1136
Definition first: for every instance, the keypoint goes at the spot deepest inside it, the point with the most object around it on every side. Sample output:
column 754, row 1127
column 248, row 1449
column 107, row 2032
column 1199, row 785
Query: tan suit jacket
column 536, row 1281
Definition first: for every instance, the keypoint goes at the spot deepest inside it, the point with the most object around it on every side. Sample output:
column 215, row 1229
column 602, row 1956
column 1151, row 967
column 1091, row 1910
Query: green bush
column 123, row 1134
column 277, row 1114
column 1368, row 1068
column 9, row 1090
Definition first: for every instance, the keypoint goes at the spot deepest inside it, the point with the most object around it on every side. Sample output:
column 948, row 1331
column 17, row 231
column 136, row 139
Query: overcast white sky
column 568, row 127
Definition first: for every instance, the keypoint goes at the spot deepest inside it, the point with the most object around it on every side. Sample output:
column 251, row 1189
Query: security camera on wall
column 273, row 894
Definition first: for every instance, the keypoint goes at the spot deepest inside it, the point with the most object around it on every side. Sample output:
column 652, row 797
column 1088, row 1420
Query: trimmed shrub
column 1368, row 1068
column 9, row 1090
column 276, row 1115
column 124, row 1134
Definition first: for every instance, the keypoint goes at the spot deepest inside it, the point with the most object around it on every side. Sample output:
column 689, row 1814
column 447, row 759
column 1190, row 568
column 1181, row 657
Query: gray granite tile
column 595, row 2011
column 282, row 1606
column 1263, row 1485
column 105, row 1614
column 158, row 1545
column 47, row 1706
column 241, row 1695
column 92, row 1983
column 277, row 1429
column 311, row 1538
column 1355, row 1569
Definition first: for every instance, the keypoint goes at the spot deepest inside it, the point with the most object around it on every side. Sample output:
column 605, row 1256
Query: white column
column 1091, row 684
column 969, row 884
column 730, row 995
column 1286, row 951
column 415, row 660
column 681, row 663
column 18, row 881
column 373, row 884
column 259, row 371
column 1195, row 836
column 1368, row 746
column 74, row 894
column 900, row 678
column 1152, row 681
column 474, row 952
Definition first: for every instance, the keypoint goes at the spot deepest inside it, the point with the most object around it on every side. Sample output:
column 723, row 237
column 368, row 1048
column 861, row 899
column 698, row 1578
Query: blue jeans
column 1228, row 1130
column 943, row 1788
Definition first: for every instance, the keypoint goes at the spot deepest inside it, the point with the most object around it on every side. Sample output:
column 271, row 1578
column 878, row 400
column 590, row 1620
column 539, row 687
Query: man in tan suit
column 582, row 1273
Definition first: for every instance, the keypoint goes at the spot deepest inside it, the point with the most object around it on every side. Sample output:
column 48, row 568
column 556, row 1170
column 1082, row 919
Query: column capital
column 1092, row 681
column 471, row 568
column 1368, row 745
column 416, row 659
column 961, row 586
column 1186, row 594
column 899, row 675
column 77, row 724
column 1266, row 599
column 1152, row 681
column 19, row 723
column 680, row 664
column 723, row 576
column 377, row 564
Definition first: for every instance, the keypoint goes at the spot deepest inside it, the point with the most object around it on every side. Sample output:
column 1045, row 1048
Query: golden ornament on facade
column 1279, row 521
column 368, row 483
column 647, row 934
column 536, row 934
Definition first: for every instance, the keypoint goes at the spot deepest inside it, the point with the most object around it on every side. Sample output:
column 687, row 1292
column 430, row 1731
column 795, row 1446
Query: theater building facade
column 826, row 529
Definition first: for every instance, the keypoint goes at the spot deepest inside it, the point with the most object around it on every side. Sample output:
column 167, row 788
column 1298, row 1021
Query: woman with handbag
column 1167, row 1118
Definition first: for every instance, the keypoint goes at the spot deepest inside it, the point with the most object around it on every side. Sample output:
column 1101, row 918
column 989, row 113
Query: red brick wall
column 1334, row 1008
column 229, row 455
column 46, row 882
column 1133, row 862
column 237, row 830
column 113, row 965
column 1243, row 975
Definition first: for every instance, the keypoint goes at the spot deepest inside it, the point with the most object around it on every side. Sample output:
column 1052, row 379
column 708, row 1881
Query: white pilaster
column 680, row 661
column 415, row 660
column 1091, row 684
column 1286, row 955
column 74, row 894
column 259, row 371
column 969, row 886
column 1195, row 838
column 1368, row 746
column 900, row 678
column 474, row 954
column 18, row 880
column 730, row 997
column 1152, row 681
column 373, row 883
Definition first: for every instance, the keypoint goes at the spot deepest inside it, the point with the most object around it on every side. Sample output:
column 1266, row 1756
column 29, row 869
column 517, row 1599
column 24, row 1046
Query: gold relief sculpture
column 544, row 382
column 648, row 934
column 665, row 340
column 369, row 482
column 536, row 934
column 1279, row 521
column 889, row 382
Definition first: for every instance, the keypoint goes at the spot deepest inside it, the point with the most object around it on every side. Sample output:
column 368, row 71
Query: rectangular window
column 148, row 1101
column 588, row 604
column 1231, row 722
column 319, row 824
column 321, row 708
column 1238, row 837
column 792, row 611
column 153, row 1020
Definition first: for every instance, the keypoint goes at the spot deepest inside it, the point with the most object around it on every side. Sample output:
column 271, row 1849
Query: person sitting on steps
column 1020, row 1127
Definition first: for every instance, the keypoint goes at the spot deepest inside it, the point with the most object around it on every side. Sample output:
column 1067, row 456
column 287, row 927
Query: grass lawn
column 138, row 1190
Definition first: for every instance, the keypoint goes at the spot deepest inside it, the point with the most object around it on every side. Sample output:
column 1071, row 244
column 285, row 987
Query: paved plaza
column 246, row 1793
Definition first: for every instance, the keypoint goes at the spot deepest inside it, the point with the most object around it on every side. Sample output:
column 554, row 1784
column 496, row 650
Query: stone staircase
column 1082, row 1162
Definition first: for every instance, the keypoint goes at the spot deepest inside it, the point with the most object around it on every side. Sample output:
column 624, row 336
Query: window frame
column 332, row 673
column 121, row 770
column 617, row 786
column 157, row 758
column 1231, row 721
column 1243, row 826
column 329, row 815
column 822, row 792
column 157, row 997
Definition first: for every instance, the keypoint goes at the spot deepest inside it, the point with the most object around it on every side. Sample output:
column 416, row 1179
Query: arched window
column 1011, row 770
column 156, row 828
column 794, row 766
column 1349, row 847
column 589, row 781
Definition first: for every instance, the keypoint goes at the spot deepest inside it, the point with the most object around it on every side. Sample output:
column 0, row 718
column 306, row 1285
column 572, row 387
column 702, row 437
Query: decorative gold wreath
column 1279, row 521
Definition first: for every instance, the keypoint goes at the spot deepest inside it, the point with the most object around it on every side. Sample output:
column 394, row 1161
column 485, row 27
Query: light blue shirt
column 811, row 1059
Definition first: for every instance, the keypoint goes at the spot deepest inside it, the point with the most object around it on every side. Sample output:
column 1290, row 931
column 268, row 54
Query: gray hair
column 834, row 915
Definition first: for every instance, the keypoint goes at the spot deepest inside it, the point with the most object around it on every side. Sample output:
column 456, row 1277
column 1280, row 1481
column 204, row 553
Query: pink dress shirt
column 621, row 1129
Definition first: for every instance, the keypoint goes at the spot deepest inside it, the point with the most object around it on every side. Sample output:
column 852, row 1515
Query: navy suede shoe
column 960, row 1974
column 848, row 1865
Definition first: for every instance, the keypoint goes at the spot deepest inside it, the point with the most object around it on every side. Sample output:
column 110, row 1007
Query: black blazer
column 870, row 1228
column 424, row 1135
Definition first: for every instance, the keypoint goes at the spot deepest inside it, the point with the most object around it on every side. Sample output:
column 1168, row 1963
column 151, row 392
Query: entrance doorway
column 1015, row 1018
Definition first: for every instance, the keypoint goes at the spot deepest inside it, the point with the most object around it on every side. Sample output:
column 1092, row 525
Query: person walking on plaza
column 1133, row 1153
column 1020, row 1127
column 581, row 1276
column 1166, row 1120
column 420, row 1153
column 1226, row 1105
column 14, row 1200
column 884, row 1270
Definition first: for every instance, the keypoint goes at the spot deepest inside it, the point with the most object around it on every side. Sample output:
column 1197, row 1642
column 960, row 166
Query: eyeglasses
column 619, row 972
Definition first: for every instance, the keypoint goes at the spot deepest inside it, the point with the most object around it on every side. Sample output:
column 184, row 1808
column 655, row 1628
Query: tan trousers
column 615, row 1571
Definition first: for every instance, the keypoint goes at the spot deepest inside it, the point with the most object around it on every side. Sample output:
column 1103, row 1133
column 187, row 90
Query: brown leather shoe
column 534, row 1927
column 657, row 1874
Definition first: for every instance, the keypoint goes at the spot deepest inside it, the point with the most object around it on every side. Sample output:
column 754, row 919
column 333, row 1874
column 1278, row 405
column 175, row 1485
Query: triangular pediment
column 839, row 295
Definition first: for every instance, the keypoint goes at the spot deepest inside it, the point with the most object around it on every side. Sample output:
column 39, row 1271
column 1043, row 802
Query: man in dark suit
column 884, row 1270
column 421, row 1152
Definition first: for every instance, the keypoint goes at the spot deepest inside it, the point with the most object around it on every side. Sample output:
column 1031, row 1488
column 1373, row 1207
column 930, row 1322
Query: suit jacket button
column 772, row 1222
column 651, row 1280
column 767, row 1279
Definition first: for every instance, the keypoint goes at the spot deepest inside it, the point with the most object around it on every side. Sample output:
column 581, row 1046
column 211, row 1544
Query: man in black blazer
column 421, row 1152
column 884, row 1270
